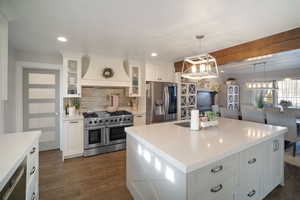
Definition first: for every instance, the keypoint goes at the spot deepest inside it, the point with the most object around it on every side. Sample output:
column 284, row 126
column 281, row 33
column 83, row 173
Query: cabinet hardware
column 216, row 188
column 33, row 150
column 33, row 170
column 217, row 169
column 251, row 193
column 252, row 161
column 33, row 197
column 275, row 145
column 73, row 122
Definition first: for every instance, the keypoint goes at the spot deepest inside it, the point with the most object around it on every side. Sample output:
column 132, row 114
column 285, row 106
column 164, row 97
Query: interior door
column 41, row 105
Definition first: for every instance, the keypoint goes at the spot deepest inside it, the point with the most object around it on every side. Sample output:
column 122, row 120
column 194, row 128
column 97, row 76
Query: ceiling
column 136, row 28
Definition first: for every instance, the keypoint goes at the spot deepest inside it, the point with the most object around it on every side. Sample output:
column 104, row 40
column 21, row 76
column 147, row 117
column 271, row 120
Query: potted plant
column 76, row 104
column 285, row 103
column 259, row 101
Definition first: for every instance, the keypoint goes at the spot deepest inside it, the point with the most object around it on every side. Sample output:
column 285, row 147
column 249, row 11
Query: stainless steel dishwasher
column 15, row 188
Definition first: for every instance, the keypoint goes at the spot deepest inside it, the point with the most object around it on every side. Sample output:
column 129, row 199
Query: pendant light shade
column 200, row 67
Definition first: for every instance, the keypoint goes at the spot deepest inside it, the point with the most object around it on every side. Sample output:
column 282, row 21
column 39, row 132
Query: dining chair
column 253, row 115
column 229, row 113
column 289, row 121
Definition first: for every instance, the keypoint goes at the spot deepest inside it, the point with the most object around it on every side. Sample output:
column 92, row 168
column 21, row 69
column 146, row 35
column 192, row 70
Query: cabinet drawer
column 32, row 162
column 222, row 190
column 32, row 190
column 214, row 173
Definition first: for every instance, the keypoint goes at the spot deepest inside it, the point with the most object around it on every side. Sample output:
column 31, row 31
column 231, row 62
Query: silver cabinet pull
column 33, row 170
column 73, row 122
column 216, row 188
column 275, row 145
column 251, row 193
column 33, row 150
column 217, row 169
column 33, row 197
column 252, row 161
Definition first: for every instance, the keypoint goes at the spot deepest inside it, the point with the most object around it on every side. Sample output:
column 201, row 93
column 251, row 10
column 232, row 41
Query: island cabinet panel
column 151, row 177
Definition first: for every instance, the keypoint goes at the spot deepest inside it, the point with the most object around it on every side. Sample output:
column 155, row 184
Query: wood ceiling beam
column 280, row 42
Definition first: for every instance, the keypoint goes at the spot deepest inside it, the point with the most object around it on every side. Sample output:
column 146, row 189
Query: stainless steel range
column 105, row 131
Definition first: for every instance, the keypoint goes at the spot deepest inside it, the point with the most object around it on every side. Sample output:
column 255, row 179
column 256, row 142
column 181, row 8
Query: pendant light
column 261, row 85
column 200, row 66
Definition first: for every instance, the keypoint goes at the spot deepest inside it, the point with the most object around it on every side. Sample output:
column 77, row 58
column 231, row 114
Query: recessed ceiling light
column 62, row 39
column 153, row 54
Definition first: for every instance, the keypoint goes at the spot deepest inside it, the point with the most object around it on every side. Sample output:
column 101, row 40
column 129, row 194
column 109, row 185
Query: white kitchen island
column 236, row 160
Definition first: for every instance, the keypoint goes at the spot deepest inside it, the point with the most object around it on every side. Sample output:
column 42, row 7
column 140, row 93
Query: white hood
column 94, row 71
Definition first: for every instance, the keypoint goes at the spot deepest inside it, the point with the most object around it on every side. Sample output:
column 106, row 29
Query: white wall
column 10, row 104
column 247, row 96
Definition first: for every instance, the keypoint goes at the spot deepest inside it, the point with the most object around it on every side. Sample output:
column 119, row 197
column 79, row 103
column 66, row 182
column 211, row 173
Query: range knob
column 95, row 121
column 116, row 120
column 90, row 122
column 100, row 121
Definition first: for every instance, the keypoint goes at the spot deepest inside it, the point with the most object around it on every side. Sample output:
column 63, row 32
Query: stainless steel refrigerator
column 161, row 102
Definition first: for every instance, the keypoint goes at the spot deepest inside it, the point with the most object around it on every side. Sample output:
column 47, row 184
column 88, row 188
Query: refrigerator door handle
column 167, row 101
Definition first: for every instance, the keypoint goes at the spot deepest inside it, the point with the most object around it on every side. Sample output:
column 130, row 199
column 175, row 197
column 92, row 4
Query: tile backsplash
column 99, row 98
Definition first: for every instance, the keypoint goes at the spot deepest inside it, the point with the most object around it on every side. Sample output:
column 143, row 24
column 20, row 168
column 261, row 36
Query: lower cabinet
column 32, row 174
column 139, row 119
column 73, row 138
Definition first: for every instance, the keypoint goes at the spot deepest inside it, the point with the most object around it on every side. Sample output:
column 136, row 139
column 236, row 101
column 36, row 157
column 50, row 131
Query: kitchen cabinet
column 3, row 57
column 73, row 138
column 72, row 75
column 32, row 172
column 233, row 97
column 135, row 81
column 139, row 119
column 160, row 72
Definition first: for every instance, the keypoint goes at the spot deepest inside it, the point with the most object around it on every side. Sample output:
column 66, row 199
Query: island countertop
column 13, row 148
column 190, row 150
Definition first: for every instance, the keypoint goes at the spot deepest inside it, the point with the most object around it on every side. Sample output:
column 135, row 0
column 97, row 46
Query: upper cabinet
column 72, row 75
column 135, row 81
column 160, row 72
column 3, row 57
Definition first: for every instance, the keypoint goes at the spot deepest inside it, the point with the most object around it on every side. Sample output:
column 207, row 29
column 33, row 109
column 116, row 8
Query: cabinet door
column 250, row 173
column 135, row 81
column 151, row 72
column 139, row 120
column 273, row 164
column 73, row 137
column 72, row 77
column 166, row 73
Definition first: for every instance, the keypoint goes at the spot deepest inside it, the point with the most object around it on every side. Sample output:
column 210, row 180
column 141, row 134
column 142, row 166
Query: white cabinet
column 73, row 138
column 273, row 172
column 139, row 119
column 3, row 57
column 32, row 191
column 233, row 97
column 160, row 72
column 72, row 76
column 135, row 81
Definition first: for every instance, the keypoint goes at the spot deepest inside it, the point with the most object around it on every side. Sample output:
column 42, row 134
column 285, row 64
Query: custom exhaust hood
column 104, row 72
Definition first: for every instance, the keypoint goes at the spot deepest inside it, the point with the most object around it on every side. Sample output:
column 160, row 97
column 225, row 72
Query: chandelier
column 261, row 85
column 200, row 66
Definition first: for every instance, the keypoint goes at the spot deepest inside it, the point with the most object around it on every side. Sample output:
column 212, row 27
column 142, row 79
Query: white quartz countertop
column 190, row 150
column 13, row 148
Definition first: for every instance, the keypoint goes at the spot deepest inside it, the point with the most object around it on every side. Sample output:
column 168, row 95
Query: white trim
column 20, row 65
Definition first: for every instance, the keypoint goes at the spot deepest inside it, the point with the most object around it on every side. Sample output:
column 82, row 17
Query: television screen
column 205, row 100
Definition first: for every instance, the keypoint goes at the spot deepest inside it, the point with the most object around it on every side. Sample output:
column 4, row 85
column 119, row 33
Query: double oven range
column 105, row 131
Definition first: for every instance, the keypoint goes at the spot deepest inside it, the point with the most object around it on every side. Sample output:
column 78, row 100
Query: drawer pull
column 217, row 169
column 275, row 145
column 252, row 161
column 73, row 122
column 252, row 193
column 33, row 150
column 33, row 197
column 32, row 171
column 216, row 188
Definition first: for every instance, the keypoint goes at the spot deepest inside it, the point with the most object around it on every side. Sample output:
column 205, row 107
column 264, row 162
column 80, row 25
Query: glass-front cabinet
column 135, row 81
column 72, row 76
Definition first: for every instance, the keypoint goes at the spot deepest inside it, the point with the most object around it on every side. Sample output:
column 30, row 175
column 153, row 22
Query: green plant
column 76, row 103
column 259, row 101
column 211, row 115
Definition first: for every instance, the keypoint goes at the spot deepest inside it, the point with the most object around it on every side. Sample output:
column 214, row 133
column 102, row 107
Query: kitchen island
column 235, row 160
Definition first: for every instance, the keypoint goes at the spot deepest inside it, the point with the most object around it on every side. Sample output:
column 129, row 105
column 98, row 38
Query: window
column 289, row 90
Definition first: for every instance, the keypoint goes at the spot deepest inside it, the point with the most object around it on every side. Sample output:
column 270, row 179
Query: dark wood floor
column 103, row 177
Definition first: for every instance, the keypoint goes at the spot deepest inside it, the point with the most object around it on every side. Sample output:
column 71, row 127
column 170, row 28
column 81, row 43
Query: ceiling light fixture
column 153, row 54
column 62, row 39
column 200, row 66
column 261, row 85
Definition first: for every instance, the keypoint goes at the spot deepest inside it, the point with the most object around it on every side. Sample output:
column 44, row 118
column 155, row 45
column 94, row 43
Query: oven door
column 116, row 134
column 94, row 137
